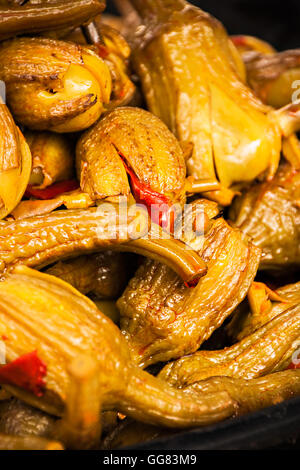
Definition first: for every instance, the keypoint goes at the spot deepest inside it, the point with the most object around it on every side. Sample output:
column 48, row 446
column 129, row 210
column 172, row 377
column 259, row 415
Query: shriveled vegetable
column 103, row 274
column 54, row 85
column 88, row 363
column 264, row 306
column 193, row 79
column 34, row 16
column 70, row 233
column 255, row 394
column 15, row 163
column 267, row 350
column 162, row 319
column 133, row 141
column 270, row 215
column 52, row 159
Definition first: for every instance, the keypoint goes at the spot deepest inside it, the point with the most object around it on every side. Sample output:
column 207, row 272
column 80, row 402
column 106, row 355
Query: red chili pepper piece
column 26, row 372
column 294, row 366
column 52, row 191
column 157, row 204
column 102, row 50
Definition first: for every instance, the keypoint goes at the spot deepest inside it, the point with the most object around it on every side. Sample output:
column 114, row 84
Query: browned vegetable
column 255, row 394
column 272, row 76
column 163, row 319
column 269, row 214
column 42, row 240
column 87, row 362
column 115, row 51
column 52, row 158
column 144, row 143
column 267, row 350
column 192, row 78
column 54, row 85
column 19, row 419
column 34, row 16
column 15, row 163
column 264, row 306
column 103, row 274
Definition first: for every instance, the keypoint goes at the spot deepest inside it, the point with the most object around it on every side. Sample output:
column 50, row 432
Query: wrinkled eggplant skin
column 267, row 350
column 39, row 241
column 146, row 145
column 252, row 395
column 33, row 304
column 19, row 419
column 43, row 15
column 163, row 319
column 190, row 73
column 42, row 240
column 269, row 214
column 54, row 85
column 103, row 275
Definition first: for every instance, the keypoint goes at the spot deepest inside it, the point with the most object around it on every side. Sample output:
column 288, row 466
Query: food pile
column 150, row 223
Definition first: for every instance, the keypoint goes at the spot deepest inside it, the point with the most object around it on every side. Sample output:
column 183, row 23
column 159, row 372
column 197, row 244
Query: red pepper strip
column 102, row 50
column 26, row 372
column 239, row 40
column 156, row 203
column 52, row 191
column 294, row 366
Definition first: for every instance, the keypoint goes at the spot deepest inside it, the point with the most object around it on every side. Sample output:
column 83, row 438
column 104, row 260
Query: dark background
column 277, row 22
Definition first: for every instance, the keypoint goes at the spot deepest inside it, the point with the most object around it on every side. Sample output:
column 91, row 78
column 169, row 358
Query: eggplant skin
column 266, row 350
column 15, row 163
column 103, row 274
column 162, row 319
column 146, row 145
column 54, row 85
column 190, row 77
column 52, row 158
column 255, row 394
column 41, row 312
column 19, row 419
column 36, row 16
column 270, row 215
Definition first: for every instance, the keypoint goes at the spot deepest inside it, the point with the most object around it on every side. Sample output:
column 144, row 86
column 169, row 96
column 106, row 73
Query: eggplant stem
column 153, row 401
column 174, row 253
column 202, row 186
column 80, row 426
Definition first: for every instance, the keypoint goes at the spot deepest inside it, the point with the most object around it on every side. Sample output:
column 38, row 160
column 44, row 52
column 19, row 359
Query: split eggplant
column 193, row 79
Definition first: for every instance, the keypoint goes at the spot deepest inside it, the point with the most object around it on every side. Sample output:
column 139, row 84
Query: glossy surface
column 54, row 85
column 163, row 319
